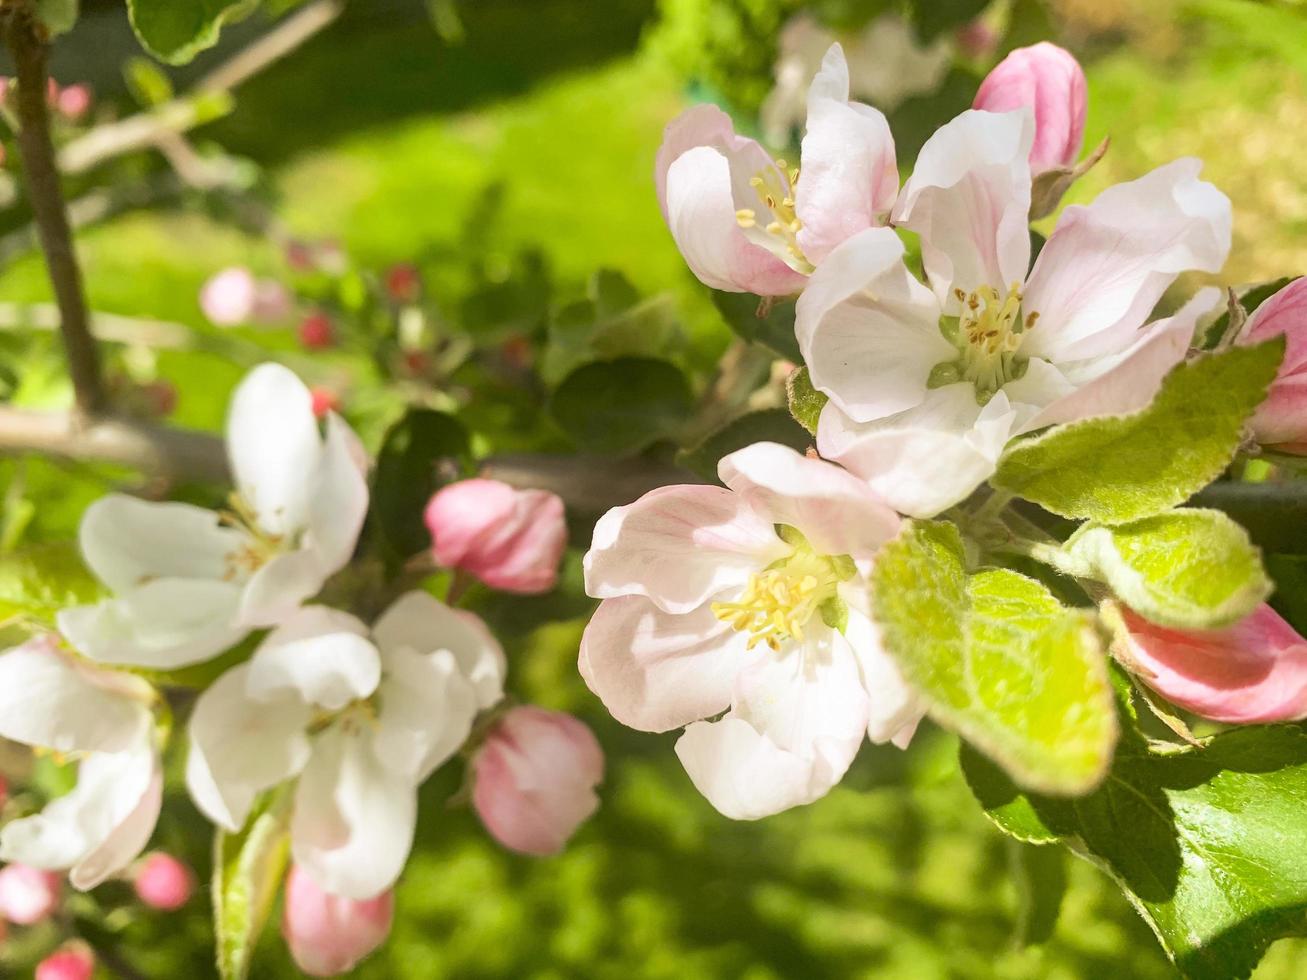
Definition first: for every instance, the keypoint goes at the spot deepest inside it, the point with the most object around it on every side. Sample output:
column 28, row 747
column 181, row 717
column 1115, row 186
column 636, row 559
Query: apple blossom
column 1049, row 81
column 235, row 296
column 510, row 539
column 926, row 385
column 73, row 962
column 748, row 223
column 535, row 778
column 328, row 934
column 1281, row 420
column 190, row 582
column 164, row 883
column 52, row 700
column 1254, row 672
column 361, row 718
column 27, row 895
column 751, row 598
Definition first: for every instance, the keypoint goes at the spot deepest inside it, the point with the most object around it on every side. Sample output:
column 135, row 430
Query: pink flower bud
column 51, row 91
column 163, row 882
column 272, row 302
column 403, row 283
column 1251, row 673
column 1281, row 420
column 299, row 255
column 4, row 791
column 328, row 934
column 1051, row 81
column 535, row 779
column 324, row 400
column 228, row 297
column 976, row 39
column 316, row 331
column 74, row 962
column 27, row 895
column 73, row 102
column 510, row 539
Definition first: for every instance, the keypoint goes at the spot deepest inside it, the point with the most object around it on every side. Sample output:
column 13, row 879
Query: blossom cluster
column 739, row 612
column 304, row 710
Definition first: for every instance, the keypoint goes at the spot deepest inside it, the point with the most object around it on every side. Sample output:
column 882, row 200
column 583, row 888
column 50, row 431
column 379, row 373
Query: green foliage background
column 546, row 118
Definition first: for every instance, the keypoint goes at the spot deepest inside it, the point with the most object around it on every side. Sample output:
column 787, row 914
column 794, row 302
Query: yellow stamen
column 778, row 602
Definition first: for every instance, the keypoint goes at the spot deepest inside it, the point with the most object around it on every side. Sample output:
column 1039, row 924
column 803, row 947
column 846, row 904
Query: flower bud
column 27, row 895
column 403, row 283
column 1253, row 672
column 4, row 791
column 1050, row 81
column 328, row 934
column 73, row 102
column 324, row 400
column 163, row 882
column 73, row 962
column 316, row 332
column 535, row 778
column 510, row 539
column 1281, row 420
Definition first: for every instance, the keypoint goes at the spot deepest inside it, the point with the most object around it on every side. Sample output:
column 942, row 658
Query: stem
column 993, row 506
column 30, row 50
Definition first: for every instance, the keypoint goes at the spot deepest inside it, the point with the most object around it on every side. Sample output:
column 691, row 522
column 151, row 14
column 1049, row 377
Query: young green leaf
column 1120, row 468
column 770, row 425
column 36, row 582
column 1188, row 569
column 622, row 406
column 176, row 31
column 1001, row 661
column 248, row 868
column 805, row 401
column 1205, row 842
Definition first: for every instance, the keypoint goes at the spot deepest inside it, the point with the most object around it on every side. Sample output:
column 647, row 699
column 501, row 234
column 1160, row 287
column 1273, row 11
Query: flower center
column 988, row 334
column 779, row 601
column 259, row 546
column 775, row 190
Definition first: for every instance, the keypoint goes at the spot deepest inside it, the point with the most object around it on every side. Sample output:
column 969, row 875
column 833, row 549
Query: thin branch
column 288, row 35
column 30, row 50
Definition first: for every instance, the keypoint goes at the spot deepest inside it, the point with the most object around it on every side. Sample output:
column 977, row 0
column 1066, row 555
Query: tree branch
column 27, row 43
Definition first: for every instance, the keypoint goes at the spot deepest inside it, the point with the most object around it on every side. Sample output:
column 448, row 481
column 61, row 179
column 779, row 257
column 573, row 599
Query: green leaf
column 421, row 453
column 148, row 84
column 58, row 16
column 611, row 293
column 933, row 17
column 805, row 401
column 1040, row 877
column 613, row 322
column 248, row 869
column 1120, row 468
column 176, row 31
column 622, row 406
column 770, row 425
column 774, row 328
column 1189, row 568
column 1205, row 842
column 1001, row 661
column 36, row 582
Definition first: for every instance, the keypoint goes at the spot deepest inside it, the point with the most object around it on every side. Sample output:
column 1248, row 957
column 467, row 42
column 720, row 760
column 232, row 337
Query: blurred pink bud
column 272, row 302
column 403, row 282
column 74, row 962
column 324, row 400
column 4, row 791
column 163, row 882
column 977, row 39
column 328, row 934
column 74, row 101
column 1051, row 81
column 228, row 297
column 1281, row 420
column 316, row 332
column 5, row 83
column 27, row 895
column 1251, row 673
column 299, row 255
column 510, row 539
column 52, row 91
column 535, row 779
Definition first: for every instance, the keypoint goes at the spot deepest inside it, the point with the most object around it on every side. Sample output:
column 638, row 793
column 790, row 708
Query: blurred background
column 499, row 153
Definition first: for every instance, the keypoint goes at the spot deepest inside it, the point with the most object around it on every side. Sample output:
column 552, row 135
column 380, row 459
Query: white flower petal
column 869, row 332
column 340, row 498
column 274, row 447
column 354, row 818
column 1106, row 265
column 240, row 747
column 319, row 655
column 421, row 623
column 47, row 700
column 969, row 199
column 835, row 511
column 427, row 708
column 126, row 841
column 678, row 546
column 894, row 707
column 281, row 586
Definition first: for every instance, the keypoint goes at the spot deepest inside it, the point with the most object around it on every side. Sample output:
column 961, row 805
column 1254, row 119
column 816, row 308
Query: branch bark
column 29, row 47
